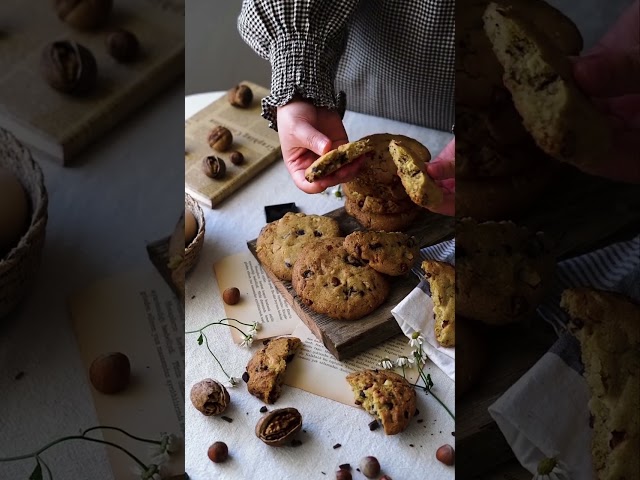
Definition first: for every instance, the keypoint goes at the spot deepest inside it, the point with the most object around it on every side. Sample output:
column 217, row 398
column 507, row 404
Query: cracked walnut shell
column 209, row 397
column 279, row 426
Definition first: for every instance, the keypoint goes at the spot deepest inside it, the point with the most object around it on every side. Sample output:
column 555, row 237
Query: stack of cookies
column 500, row 169
column 343, row 278
column 377, row 198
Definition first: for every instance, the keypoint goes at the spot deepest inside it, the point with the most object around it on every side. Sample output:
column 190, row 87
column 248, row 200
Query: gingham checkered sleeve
column 303, row 40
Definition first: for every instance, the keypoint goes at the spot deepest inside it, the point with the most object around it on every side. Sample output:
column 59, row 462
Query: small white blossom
column 416, row 340
column 404, row 361
column 248, row 340
column 151, row 473
column 254, row 329
column 232, row 382
column 386, row 363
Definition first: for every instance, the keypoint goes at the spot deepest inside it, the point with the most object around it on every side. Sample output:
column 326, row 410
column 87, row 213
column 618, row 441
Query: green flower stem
column 37, row 453
column 426, row 387
column 219, row 322
column 206, row 342
column 140, row 439
column 46, row 467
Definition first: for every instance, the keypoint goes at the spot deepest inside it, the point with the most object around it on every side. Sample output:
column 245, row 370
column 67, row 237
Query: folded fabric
column 415, row 312
column 530, row 426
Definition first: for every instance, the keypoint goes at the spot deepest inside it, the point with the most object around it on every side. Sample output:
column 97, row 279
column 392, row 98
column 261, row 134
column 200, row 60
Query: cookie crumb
column 337, row 445
column 226, row 419
column 19, row 375
column 264, row 409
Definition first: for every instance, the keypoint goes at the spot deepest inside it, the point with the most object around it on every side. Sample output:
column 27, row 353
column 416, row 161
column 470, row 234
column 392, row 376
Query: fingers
column 443, row 166
column 344, row 174
column 608, row 73
column 448, row 205
column 310, row 138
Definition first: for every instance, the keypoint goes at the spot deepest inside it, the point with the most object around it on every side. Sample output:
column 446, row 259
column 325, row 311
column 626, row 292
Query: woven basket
column 192, row 251
column 19, row 267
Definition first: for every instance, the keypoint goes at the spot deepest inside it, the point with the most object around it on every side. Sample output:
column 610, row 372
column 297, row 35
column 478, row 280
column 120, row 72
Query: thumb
column 311, row 138
column 608, row 73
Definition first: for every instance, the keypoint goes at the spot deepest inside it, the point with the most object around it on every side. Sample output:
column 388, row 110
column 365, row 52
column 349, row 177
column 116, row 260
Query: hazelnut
column 231, row 296
column 83, row 14
column 68, row 67
column 209, row 397
column 122, row 45
column 343, row 475
column 236, row 158
column 446, row 455
column 370, row 467
column 110, row 373
column 240, row 96
column 214, row 167
column 220, row 139
column 218, row 452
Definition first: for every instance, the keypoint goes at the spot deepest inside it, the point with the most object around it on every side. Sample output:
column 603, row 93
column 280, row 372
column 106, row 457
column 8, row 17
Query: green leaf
column 37, row 472
column 429, row 381
column 200, row 340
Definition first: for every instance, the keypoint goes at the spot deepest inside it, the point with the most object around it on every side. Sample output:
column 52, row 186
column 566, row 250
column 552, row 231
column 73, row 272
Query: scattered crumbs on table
column 192, row 297
column 247, row 413
column 440, row 431
column 295, row 442
column 337, row 445
column 373, row 425
column 411, row 445
column 417, row 413
column 453, row 434
column 323, row 473
column 432, row 434
column 226, row 419
column 345, row 466
column 358, row 469
column 263, row 409
column 420, row 420
column 19, row 375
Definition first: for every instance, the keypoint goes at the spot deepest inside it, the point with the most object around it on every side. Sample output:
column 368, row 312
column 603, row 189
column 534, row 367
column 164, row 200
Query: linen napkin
column 415, row 312
column 532, row 429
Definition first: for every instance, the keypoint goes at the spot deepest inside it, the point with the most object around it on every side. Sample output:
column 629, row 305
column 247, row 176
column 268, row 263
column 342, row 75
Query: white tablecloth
column 326, row 422
column 123, row 193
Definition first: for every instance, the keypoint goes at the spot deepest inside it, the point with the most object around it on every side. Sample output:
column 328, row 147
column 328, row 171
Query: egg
column 190, row 227
column 14, row 211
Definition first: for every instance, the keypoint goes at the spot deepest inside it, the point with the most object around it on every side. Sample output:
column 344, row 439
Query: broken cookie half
column 386, row 395
column 335, row 159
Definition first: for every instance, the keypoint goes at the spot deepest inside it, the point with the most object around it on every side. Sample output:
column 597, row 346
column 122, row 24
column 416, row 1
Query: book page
column 137, row 314
column 261, row 301
column 316, row 371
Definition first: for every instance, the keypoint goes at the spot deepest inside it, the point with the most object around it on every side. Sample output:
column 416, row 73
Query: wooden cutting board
column 58, row 125
column 252, row 137
column 345, row 339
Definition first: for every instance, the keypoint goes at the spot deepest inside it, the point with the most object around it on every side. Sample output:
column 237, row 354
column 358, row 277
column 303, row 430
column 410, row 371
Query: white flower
column 416, row 339
column 404, row 361
column 151, row 473
column 254, row 329
column 232, row 382
column 386, row 363
column 248, row 340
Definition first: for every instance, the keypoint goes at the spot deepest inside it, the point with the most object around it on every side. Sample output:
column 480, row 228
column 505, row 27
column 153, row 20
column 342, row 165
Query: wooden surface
column 580, row 214
column 61, row 125
column 345, row 339
column 252, row 137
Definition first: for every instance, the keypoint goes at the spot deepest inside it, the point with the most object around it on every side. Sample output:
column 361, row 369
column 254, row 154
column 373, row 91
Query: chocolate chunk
column 226, row 419
column 263, row 409
column 373, row 425
column 337, row 445
column 245, row 377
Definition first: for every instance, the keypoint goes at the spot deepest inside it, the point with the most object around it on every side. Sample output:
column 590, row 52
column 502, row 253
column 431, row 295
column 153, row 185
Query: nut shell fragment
column 279, row 426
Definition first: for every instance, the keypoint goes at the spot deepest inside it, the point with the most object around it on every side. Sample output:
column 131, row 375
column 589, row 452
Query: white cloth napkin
column 545, row 412
column 415, row 313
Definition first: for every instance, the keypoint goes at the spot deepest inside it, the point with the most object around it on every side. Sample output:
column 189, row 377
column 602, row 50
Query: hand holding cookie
column 442, row 170
column 307, row 132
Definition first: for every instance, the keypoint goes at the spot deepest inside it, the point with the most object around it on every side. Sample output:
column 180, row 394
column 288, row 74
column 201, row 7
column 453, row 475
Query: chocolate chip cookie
column 378, row 221
column 562, row 121
column 280, row 242
column 442, row 279
column 267, row 367
column 412, row 170
column 502, row 271
column 335, row 159
column 331, row 281
column 379, row 199
column 607, row 325
column 387, row 396
column 389, row 253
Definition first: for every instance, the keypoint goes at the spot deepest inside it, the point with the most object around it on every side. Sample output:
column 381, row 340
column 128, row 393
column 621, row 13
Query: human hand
column 610, row 74
column 306, row 132
column 442, row 170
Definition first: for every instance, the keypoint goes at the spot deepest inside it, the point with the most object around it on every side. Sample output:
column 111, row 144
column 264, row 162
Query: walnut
column 68, row 67
column 213, row 167
column 240, row 96
column 220, row 139
column 209, row 397
column 279, row 426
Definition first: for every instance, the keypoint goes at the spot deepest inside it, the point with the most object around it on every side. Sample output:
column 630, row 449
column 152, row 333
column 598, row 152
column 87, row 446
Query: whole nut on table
column 279, row 426
column 209, row 397
column 122, row 45
column 220, row 139
column 240, row 96
column 83, row 14
column 110, row 373
column 68, row 67
column 213, row 167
